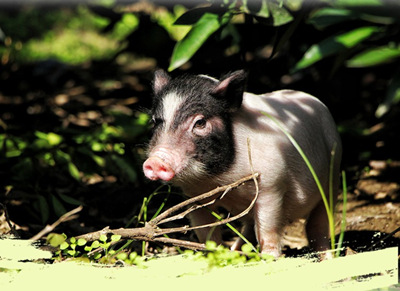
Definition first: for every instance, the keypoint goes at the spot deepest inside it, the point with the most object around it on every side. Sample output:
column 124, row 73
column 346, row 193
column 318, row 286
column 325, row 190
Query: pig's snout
column 155, row 168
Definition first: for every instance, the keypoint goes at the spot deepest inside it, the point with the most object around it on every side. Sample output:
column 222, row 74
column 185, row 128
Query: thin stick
column 65, row 217
column 193, row 200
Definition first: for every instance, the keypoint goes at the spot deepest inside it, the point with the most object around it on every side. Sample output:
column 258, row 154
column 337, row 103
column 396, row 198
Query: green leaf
column 73, row 171
column 280, row 15
column 392, row 96
column 192, row 16
column 88, row 248
column 52, row 138
column 329, row 16
column 115, row 237
column 103, row 238
column 334, row 45
column 81, row 242
column 43, row 208
column 95, row 244
column 133, row 256
column 122, row 256
column 374, row 56
column 55, row 239
column 61, row 157
column 254, row 8
column 72, row 240
column 355, row 3
column 98, row 160
column 125, row 168
column 64, row 245
column 264, row 12
column 69, row 199
column 288, row 32
column 198, row 34
column 58, row 207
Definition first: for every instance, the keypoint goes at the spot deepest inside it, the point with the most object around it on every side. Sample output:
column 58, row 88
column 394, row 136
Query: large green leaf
column 374, row 56
column 198, row 34
column 325, row 17
column 358, row 3
column 392, row 96
column 334, row 45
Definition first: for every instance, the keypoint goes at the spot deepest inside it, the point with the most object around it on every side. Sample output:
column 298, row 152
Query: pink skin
column 162, row 164
column 155, row 168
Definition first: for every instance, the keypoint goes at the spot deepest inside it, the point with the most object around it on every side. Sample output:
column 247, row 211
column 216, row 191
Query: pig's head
column 192, row 134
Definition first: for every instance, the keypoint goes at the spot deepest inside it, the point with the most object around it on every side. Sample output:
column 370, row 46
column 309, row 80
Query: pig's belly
column 293, row 208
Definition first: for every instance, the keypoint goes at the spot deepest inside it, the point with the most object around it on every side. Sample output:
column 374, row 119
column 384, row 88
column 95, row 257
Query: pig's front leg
column 268, row 218
column 202, row 217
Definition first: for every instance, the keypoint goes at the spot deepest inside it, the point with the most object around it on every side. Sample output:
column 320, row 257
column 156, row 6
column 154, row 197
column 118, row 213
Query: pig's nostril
column 154, row 169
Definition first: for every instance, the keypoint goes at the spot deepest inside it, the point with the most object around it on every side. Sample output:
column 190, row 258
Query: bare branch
column 217, row 223
column 182, row 243
column 204, row 196
column 151, row 231
column 65, row 217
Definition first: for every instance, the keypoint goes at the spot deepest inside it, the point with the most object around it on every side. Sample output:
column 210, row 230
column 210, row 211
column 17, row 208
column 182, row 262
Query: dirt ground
column 372, row 212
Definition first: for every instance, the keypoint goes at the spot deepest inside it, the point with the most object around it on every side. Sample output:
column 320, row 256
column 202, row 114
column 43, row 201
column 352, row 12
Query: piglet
column 199, row 142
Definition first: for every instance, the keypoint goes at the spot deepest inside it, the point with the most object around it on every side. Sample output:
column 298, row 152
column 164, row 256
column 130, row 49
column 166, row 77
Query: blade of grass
column 160, row 208
column 331, row 165
column 231, row 227
column 321, row 190
column 344, row 210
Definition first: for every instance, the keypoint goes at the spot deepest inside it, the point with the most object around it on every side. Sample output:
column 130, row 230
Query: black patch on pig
column 217, row 150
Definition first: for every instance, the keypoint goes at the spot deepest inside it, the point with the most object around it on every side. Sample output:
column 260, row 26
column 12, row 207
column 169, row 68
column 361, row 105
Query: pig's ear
column 161, row 79
column 231, row 89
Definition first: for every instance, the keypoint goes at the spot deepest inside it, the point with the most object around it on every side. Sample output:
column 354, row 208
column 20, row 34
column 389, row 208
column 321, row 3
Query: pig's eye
column 157, row 121
column 201, row 127
column 200, row 124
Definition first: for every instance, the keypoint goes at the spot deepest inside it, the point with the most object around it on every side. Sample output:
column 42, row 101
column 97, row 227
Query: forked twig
column 152, row 232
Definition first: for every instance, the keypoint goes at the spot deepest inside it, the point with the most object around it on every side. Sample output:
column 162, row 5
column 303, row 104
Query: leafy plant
column 220, row 256
column 74, row 156
column 219, row 16
column 100, row 251
column 360, row 34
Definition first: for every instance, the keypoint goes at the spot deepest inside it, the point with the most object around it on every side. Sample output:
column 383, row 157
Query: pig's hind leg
column 317, row 229
column 202, row 217
column 248, row 233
